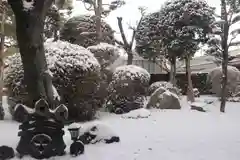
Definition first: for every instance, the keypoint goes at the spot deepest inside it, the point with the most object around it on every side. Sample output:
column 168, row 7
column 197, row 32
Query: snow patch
column 100, row 130
column 138, row 113
column 28, row 5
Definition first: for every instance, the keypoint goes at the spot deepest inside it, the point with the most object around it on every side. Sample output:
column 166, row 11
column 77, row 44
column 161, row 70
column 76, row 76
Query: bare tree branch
column 122, row 32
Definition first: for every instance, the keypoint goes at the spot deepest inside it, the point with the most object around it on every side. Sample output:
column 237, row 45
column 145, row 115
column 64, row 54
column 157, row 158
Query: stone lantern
column 41, row 134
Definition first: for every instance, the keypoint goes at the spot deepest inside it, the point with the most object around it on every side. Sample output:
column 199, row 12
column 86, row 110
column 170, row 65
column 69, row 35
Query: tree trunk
column 173, row 71
column 190, row 94
column 224, row 37
column 29, row 29
column 98, row 13
column 130, row 58
column 2, row 41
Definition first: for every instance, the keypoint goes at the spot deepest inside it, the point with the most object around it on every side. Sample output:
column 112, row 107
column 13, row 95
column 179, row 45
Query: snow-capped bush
column 233, row 83
column 167, row 85
column 128, row 89
column 105, row 53
column 81, row 30
column 76, row 76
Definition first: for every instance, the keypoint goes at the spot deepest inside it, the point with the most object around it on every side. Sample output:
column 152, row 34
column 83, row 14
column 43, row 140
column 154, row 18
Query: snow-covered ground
column 164, row 135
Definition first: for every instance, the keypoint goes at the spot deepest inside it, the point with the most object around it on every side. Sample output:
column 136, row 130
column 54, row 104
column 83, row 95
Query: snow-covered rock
column 233, row 84
column 166, row 85
column 138, row 113
column 75, row 73
column 95, row 132
column 164, row 99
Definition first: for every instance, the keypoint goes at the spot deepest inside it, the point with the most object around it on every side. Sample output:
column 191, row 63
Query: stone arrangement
column 41, row 134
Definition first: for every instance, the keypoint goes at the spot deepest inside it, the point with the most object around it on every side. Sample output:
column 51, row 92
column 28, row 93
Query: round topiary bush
column 76, row 76
column 128, row 89
column 167, row 85
column 106, row 55
column 233, row 83
column 81, row 30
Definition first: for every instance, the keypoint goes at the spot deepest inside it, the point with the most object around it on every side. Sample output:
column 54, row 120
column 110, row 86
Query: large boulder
column 128, row 89
column 76, row 76
column 81, row 30
column 233, row 83
column 164, row 99
column 167, row 85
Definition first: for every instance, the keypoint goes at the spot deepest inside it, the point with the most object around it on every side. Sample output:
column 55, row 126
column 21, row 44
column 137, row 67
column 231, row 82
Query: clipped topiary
column 81, row 30
column 76, row 76
column 128, row 89
column 106, row 55
column 233, row 83
column 167, row 85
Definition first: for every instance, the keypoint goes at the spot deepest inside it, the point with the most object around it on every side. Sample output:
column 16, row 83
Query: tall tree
column 223, row 38
column 128, row 46
column 177, row 30
column 30, row 16
column 101, row 10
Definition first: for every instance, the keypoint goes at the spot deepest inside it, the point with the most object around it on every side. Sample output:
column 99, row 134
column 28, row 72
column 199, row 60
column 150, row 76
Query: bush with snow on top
column 81, row 30
column 76, row 77
column 128, row 89
column 138, row 113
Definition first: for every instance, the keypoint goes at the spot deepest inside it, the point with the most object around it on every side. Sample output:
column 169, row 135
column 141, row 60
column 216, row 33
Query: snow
column 28, row 5
column 166, row 134
column 101, row 130
column 127, row 72
column 138, row 113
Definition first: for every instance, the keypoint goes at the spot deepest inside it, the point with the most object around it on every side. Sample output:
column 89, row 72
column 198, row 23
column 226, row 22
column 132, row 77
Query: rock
column 98, row 132
column 77, row 148
column 196, row 92
column 233, row 86
column 6, row 152
column 164, row 99
column 166, row 85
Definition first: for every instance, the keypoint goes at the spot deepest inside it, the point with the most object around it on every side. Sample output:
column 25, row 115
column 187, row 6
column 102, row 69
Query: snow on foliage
column 131, row 72
column 138, row 113
column 105, row 53
column 28, row 4
column 75, row 74
column 233, row 84
column 128, row 88
column 81, row 30
column 175, row 26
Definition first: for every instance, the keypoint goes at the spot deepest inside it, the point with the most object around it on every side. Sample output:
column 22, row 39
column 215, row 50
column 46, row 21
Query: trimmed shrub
column 128, row 89
column 81, row 30
column 76, row 76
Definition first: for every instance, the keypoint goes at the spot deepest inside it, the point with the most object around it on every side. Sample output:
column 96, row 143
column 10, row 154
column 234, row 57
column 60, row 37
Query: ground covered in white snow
column 164, row 135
